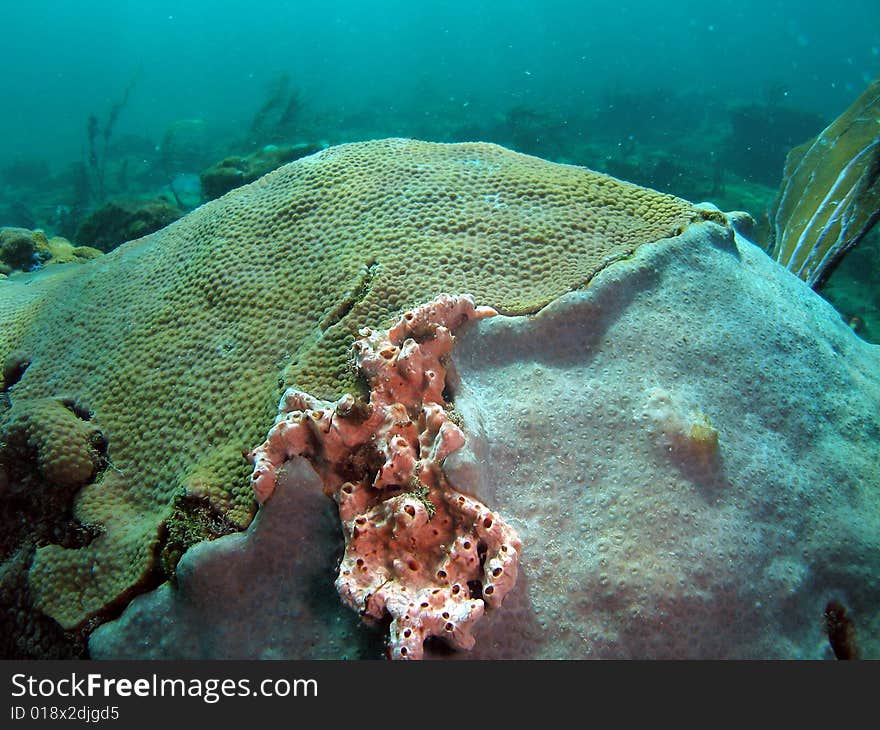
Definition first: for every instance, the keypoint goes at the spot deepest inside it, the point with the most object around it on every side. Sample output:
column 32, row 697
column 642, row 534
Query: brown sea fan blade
column 830, row 197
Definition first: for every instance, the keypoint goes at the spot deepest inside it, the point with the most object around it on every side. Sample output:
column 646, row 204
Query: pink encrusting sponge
column 416, row 549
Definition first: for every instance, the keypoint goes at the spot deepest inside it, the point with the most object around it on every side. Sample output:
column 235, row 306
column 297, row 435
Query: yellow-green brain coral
column 178, row 342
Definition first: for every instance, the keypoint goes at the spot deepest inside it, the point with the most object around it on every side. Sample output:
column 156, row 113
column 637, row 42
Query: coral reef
column 830, row 194
column 25, row 634
column 58, row 436
column 266, row 593
column 25, row 250
column 415, row 549
column 125, row 219
column 182, row 370
column 631, row 550
column 233, row 172
column 18, row 250
column 58, row 250
column 49, row 449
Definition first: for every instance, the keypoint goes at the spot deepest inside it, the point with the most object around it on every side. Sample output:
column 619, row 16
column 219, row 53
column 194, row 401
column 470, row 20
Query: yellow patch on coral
column 703, row 432
column 61, row 251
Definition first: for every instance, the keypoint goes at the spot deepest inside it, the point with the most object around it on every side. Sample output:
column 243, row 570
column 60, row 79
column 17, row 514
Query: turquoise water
column 120, row 117
column 432, row 69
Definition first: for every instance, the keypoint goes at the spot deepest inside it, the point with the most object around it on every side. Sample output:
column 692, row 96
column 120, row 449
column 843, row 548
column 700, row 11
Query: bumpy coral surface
column 706, row 479
column 689, row 451
column 415, row 549
column 63, row 444
column 176, row 341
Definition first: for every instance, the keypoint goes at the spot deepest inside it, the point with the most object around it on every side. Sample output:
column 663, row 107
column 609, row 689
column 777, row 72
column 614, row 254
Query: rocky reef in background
column 125, row 219
column 705, row 147
column 235, row 171
column 727, row 150
column 854, row 288
column 25, row 250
